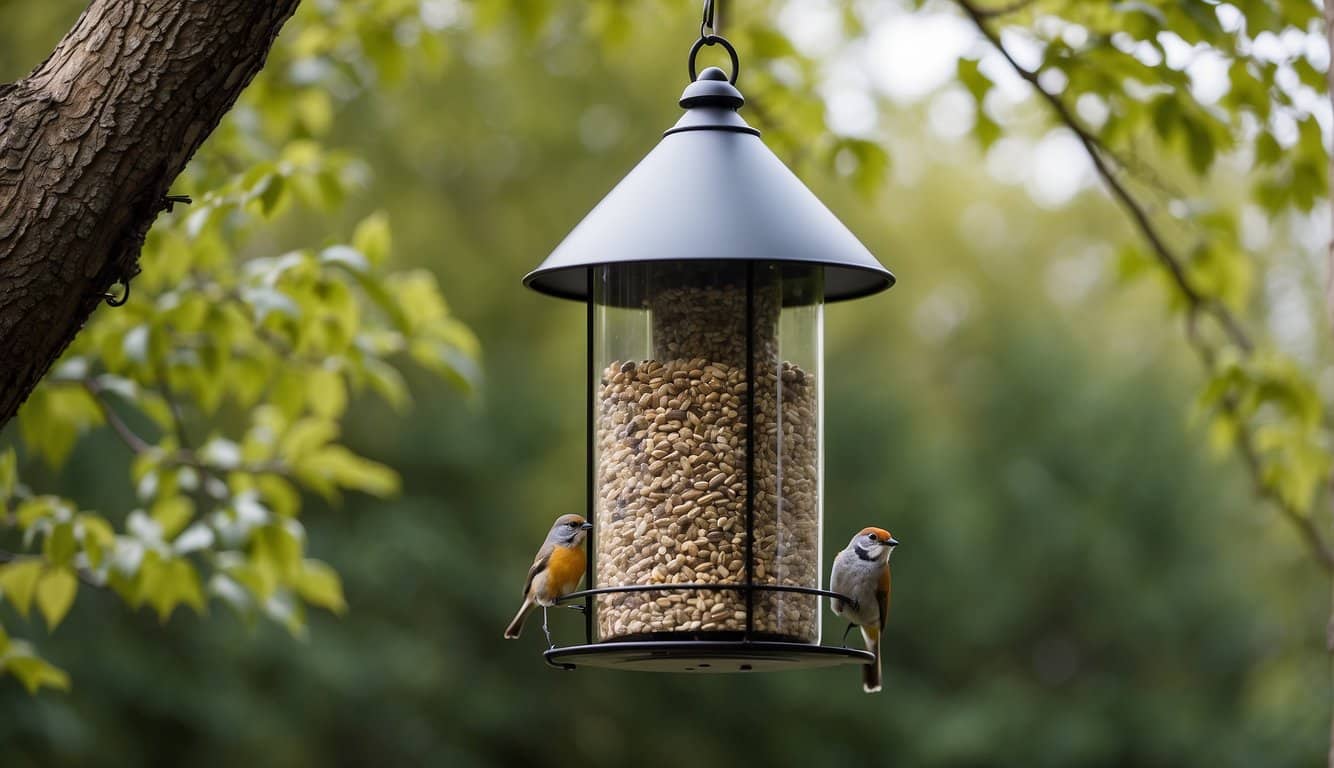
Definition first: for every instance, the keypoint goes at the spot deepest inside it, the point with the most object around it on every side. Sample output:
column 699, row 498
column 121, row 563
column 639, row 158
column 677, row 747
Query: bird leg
column 546, row 631
column 845, row 634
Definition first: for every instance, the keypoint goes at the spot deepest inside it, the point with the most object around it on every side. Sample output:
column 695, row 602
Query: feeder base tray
column 704, row 656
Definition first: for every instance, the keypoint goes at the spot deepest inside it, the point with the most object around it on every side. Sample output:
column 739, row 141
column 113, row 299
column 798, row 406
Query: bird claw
column 577, row 607
column 550, row 643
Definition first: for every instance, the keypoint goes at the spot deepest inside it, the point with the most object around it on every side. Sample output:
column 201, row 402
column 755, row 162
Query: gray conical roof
column 711, row 190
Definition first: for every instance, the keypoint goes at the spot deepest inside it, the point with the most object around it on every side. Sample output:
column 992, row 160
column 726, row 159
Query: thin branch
column 1004, row 10
column 123, row 431
column 1098, row 155
column 174, row 408
column 180, row 458
column 1197, row 303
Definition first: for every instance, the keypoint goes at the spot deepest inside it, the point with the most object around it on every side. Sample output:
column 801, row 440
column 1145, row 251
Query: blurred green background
column 1080, row 583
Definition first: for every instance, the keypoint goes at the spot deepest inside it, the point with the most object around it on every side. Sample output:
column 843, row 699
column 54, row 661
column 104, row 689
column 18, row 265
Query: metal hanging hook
column 708, row 35
column 708, row 26
column 112, row 300
column 713, row 40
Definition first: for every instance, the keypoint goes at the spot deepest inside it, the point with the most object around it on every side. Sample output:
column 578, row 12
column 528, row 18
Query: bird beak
column 587, row 526
column 893, row 542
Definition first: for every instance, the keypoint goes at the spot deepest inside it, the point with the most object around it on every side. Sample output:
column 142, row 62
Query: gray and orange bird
column 556, row 570
column 862, row 573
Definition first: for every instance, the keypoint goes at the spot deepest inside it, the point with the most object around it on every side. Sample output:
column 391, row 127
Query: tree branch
column 1197, row 303
column 91, row 141
column 183, row 457
column 122, row 430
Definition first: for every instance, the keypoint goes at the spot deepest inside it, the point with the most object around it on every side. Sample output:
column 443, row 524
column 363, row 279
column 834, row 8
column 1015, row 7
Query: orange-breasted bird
column 556, row 570
column 861, row 571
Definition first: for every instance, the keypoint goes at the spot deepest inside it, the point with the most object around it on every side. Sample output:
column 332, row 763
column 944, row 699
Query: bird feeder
column 705, row 273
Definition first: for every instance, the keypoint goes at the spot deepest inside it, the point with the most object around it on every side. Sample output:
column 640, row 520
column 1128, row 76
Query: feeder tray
column 714, row 656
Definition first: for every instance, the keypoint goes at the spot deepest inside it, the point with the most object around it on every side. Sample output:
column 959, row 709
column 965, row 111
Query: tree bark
column 91, row 141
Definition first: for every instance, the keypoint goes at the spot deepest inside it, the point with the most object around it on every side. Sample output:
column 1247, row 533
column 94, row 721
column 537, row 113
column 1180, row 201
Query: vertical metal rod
column 589, row 460
column 750, row 448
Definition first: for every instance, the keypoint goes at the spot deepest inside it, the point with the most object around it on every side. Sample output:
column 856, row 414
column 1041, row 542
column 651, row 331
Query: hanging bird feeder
column 705, row 273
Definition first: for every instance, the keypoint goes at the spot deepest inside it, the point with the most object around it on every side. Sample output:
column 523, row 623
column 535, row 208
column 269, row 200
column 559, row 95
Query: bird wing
column 882, row 596
column 836, row 580
column 539, row 565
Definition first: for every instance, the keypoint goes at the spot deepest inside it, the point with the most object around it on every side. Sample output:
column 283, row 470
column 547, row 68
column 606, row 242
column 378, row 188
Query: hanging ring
column 111, row 299
column 714, row 40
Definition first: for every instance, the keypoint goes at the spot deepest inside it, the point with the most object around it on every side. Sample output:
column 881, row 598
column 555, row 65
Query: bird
column 556, row 571
column 861, row 572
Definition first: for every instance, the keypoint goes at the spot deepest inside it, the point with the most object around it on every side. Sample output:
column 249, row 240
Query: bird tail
column 512, row 631
column 871, row 672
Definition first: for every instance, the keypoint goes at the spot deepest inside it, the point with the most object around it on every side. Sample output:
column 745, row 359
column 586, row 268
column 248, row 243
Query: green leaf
column 9, row 473
column 53, row 417
column 387, row 382
column 986, row 130
column 18, row 582
column 55, row 594
column 168, row 583
column 972, row 78
column 372, row 237
column 305, row 436
column 279, row 495
column 260, row 582
column 172, row 513
column 29, row 511
column 338, row 466
column 275, row 549
column 98, row 538
column 288, row 392
column 318, row 584
column 1199, row 145
column 1222, row 436
column 31, row 670
column 315, row 109
column 271, row 194
column 326, row 393
column 60, row 544
column 1166, row 116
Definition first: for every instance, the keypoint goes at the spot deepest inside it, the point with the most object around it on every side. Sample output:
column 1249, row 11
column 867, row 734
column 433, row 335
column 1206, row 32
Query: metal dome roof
column 711, row 190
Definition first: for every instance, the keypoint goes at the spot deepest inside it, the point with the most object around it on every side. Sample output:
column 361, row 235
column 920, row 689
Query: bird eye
column 872, row 537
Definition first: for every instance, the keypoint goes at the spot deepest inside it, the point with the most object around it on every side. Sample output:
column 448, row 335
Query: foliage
column 1120, row 75
column 229, row 372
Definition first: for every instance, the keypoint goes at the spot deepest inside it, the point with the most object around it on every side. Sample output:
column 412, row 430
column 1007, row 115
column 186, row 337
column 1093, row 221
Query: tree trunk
column 91, row 141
